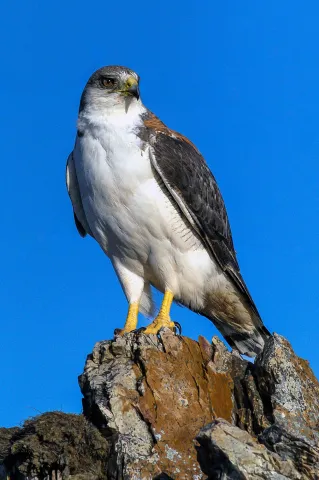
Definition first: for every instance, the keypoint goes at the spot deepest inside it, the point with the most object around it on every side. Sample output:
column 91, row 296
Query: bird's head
column 110, row 87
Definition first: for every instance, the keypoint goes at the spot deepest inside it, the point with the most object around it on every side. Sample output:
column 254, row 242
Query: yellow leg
column 131, row 319
column 163, row 319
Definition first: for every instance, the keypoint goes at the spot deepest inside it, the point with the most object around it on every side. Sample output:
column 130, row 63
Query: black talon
column 117, row 331
column 139, row 330
column 177, row 327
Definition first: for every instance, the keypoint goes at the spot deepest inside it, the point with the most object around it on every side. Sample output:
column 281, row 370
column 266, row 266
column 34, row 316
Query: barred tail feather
column 248, row 342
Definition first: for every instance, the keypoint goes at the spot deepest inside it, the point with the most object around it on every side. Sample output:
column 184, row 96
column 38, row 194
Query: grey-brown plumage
column 147, row 196
column 190, row 183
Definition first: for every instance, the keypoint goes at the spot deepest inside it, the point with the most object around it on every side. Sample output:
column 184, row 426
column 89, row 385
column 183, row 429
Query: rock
column 291, row 394
column 5, row 437
column 226, row 452
column 277, row 400
column 150, row 397
column 53, row 446
column 249, row 412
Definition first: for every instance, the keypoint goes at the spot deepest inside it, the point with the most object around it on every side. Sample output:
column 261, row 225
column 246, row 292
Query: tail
column 237, row 318
column 247, row 342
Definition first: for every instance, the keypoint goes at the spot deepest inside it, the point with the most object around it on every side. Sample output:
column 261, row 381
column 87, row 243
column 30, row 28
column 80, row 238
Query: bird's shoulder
column 154, row 125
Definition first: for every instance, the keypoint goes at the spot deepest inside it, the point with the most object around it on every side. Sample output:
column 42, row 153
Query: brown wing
column 192, row 185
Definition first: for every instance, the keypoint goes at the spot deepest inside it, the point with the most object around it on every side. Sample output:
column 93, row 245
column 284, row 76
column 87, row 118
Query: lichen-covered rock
column 53, row 446
column 151, row 396
column 291, row 391
column 226, row 452
column 249, row 409
column 5, row 437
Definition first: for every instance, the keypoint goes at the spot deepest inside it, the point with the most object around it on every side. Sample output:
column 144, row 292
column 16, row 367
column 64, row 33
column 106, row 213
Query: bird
column 145, row 193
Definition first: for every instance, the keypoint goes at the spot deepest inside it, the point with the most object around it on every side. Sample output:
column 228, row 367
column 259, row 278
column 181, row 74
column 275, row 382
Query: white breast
column 118, row 188
column 127, row 210
column 111, row 169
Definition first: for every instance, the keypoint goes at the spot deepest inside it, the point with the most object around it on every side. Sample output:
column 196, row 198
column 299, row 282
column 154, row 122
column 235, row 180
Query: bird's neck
column 116, row 115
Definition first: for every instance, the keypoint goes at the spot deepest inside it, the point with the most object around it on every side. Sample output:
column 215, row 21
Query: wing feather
column 192, row 185
column 75, row 196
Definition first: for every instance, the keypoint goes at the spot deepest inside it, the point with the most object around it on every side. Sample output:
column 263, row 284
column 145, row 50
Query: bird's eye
column 107, row 82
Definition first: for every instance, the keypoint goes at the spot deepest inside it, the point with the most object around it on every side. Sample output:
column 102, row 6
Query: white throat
column 113, row 111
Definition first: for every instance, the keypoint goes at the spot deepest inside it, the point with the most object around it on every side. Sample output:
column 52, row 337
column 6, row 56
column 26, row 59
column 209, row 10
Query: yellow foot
column 160, row 321
column 163, row 319
column 122, row 331
column 131, row 320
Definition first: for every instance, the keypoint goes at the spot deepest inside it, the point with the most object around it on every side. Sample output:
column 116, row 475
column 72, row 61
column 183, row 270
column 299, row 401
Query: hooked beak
column 131, row 88
column 135, row 91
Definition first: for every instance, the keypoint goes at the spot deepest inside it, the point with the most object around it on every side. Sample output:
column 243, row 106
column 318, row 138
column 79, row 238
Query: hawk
column 146, row 195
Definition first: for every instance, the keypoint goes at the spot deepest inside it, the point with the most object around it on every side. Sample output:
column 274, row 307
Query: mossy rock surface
column 57, row 442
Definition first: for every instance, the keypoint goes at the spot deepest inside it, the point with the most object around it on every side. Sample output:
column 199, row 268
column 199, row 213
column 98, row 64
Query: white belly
column 133, row 219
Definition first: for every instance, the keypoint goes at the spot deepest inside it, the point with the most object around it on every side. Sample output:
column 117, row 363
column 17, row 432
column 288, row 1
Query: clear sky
column 241, row 79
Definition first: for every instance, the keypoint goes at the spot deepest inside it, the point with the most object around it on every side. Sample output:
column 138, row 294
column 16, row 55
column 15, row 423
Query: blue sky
column 241, row 80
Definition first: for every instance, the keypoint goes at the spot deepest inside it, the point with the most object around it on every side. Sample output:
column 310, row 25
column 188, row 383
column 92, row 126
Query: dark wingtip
column 79, row 226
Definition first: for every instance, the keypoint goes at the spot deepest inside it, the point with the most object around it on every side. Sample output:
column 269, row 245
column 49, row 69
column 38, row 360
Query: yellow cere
column 130, row 82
